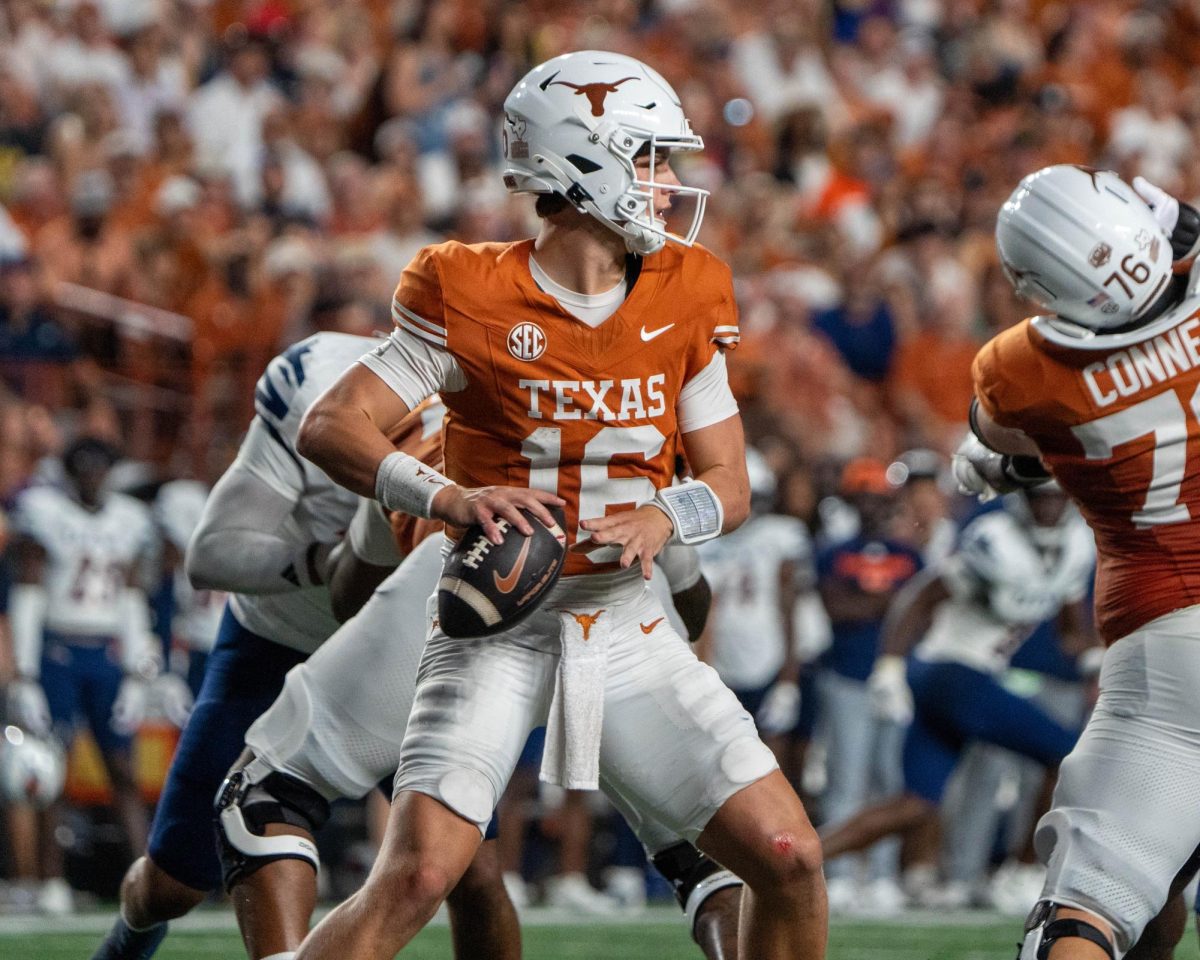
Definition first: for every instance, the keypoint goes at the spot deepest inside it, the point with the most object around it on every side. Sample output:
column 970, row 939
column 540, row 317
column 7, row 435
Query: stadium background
column 188, row 186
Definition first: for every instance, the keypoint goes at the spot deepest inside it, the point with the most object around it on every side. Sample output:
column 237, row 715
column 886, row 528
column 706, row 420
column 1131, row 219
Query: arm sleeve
column 706, row 398
column 371, row 536
column 265, row 455
column 413, row 367
column 241, row 543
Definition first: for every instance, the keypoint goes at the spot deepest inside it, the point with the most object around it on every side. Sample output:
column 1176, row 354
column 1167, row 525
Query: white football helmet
column 573, row 125
column 1085, row 246
column 32, row 769
column 1008, row 569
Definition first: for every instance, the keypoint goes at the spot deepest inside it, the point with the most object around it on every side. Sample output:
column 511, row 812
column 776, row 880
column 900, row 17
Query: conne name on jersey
column 630, row 399
column 1134, row 368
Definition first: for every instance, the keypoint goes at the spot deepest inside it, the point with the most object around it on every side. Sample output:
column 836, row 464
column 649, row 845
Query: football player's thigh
column 676, row 742
column 341, row 717
column 476, row 702
column 1124, row 816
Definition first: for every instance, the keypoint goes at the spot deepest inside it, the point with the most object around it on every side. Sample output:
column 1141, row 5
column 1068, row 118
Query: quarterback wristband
column 406, row 484
column 694, row 510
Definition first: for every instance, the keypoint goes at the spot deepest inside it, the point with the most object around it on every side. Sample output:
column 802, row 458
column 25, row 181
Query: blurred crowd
column 187, row 186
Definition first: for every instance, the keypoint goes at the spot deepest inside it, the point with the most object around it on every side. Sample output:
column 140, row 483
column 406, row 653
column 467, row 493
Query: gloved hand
column 975, row 468
column 131, row 705
column 174, row 698
column 891, row 698
column 28, row 707
column 1180, row 220
column 780, row 708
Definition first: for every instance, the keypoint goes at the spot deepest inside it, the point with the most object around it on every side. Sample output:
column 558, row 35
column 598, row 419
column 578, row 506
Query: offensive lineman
column 266, row 534
column 1105, row 390
column 81, row 632
column 572, row 366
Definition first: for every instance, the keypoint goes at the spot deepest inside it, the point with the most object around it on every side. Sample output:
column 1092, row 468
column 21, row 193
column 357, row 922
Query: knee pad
column 250, row 799
column 694, row 876
column 1043, row 927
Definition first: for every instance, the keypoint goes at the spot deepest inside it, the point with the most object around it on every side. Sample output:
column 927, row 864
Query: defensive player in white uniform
column 758, row 572
column 541, row 403
column 81, row 625
column 266, row 535
column 1102, row 393
column 1013, row 569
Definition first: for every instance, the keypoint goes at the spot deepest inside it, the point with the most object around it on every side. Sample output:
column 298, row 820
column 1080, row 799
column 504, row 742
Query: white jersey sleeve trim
column 706, row 398
column 409, row 363
column 418, row 326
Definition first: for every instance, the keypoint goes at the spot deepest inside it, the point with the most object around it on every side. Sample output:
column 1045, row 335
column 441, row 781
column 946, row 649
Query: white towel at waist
column 571, row 758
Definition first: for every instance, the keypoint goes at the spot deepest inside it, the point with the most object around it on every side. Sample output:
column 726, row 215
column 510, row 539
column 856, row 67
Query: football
column 486, row 588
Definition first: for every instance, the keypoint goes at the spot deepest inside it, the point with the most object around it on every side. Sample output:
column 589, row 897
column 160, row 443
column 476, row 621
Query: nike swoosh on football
column 649, row 627
column 506, row 583
column 648, row 335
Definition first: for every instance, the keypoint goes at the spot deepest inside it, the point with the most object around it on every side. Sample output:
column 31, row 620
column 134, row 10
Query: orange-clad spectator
column 84, row 247
column 37, row 195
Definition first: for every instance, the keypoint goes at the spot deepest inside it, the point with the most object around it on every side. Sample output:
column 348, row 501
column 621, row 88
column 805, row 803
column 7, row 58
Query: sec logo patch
column 526, row 341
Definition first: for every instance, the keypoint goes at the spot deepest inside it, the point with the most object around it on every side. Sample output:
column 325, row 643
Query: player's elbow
column 312, row 437
column 203, row 564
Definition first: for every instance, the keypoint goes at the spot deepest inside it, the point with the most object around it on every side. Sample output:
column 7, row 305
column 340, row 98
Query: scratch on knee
column 783, row 843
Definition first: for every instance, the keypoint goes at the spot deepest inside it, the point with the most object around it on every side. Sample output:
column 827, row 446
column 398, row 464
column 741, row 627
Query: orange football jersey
column 588, row 413
column 420, row 436
column 1120, row 430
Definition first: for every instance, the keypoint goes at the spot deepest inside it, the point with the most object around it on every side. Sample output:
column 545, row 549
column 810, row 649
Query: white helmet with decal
column 1084, row 245
column 573, row 125
column 1008, row 569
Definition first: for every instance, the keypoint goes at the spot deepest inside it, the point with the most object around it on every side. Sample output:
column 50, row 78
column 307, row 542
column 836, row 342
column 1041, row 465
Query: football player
column 1103, row 392
column 81, row 628
column 572, row 366
column 266, row 535
column 336, row 730
column 1013, row 569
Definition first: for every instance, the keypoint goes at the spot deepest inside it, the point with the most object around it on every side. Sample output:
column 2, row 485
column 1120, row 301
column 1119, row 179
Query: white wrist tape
column 694, row 510
column 406, row 484
column 27, row 617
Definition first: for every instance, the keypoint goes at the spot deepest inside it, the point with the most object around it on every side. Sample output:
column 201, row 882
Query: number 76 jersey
column 535, row 397
column 1119, row 428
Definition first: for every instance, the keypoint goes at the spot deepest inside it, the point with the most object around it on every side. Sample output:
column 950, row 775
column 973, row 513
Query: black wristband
column 1186, row 235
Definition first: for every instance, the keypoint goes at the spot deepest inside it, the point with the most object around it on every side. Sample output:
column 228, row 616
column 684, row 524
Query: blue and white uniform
column 90, row 636
column 266, row 633
column 1006, row 577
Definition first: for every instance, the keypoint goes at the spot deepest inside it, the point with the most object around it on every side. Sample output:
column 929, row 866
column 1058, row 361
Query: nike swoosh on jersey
column 649, row 627
column 648, row 335
column 506, row 583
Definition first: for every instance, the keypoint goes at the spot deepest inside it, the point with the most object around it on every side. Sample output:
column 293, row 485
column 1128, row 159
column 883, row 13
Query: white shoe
column 55, row 898
column 517, row 889
column 1016, row 887
column 882, row 897
column 571, row 891
column 951, row 895
column 842, row 893
column 627, row 886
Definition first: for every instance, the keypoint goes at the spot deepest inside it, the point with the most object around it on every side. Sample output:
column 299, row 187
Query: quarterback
column 574, row 367
column 1104, row 393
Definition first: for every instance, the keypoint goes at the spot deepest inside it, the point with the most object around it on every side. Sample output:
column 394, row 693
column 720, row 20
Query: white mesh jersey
column 90, row 555
column 301, row 619
column 744, row 569
column 177, row 510
column 1003, row 583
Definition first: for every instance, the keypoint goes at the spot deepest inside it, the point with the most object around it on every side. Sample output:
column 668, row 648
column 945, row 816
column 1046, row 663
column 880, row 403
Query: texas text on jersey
column 536, row 398
column 1120, row 431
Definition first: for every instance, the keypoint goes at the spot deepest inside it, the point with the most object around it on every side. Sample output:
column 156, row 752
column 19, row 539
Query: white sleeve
column 706, row 398
column 370, row 535
column 681, row 565
column 266, row 455
column 414, row 368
